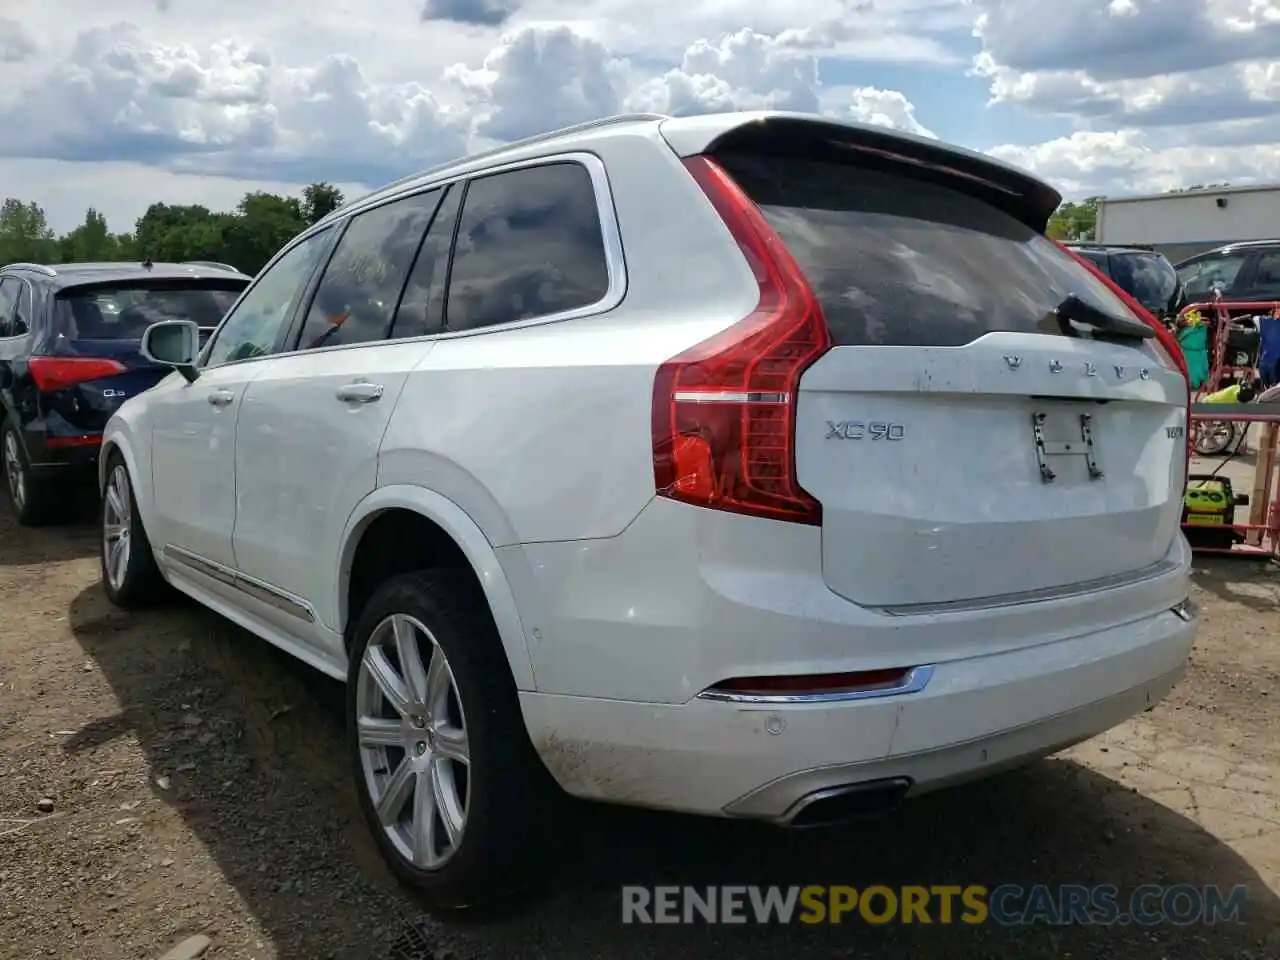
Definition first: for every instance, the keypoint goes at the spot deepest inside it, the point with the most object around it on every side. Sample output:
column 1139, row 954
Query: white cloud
column 201, row 99
column 233, row 109
column 1125, row 161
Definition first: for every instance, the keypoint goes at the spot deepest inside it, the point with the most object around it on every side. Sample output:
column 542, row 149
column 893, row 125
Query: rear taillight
column 724, row 410
column 1166, row 345
column 57, row 373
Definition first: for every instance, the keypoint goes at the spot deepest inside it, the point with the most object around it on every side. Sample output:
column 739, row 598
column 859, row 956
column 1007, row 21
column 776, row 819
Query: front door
column 194, row 424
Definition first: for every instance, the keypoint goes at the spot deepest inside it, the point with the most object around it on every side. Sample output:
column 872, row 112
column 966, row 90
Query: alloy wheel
column 117, row 523
column 13, row 471
column 413, row 745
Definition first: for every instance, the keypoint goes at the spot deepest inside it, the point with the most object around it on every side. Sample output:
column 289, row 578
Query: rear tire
column 31, row 498
column 1215, row 437
column 130, row 576
column 459, row 832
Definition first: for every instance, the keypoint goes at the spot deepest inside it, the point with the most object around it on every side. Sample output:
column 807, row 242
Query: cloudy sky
column 119, row 104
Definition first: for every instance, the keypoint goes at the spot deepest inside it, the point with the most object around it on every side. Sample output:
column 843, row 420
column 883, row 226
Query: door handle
column 220, row 398
column 360, row 392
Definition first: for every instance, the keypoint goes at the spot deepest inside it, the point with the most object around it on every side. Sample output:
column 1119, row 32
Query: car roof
column 1111, row 248
column 75, row 274
column 696, row 134
column 1244, row 245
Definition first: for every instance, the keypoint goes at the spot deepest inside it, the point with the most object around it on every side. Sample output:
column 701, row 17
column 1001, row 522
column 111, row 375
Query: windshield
column 123, row 312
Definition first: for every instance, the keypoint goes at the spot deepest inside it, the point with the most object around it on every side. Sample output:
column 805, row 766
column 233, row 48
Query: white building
column 1182, row 224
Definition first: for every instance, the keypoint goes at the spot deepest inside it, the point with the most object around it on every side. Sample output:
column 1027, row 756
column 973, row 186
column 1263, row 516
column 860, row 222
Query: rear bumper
column 973, row 718
column 70, row 455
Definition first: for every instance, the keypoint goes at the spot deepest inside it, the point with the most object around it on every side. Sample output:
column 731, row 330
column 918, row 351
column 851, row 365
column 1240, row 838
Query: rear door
column 311, row 424
column 965, row 445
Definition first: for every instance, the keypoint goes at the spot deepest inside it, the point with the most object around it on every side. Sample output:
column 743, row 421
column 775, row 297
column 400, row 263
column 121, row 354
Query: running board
column 249, row 586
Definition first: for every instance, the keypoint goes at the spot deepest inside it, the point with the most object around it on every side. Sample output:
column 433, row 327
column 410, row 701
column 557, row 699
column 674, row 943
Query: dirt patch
column 166, row 774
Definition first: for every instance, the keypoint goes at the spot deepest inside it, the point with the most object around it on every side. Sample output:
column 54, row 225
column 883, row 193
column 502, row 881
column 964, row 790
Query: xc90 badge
column 858, row 430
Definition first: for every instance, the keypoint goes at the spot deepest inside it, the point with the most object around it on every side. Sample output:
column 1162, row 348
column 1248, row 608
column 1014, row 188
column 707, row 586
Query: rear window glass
column 1148, row 277
column 123, row 312
column 898, row 261
column 1099, row 260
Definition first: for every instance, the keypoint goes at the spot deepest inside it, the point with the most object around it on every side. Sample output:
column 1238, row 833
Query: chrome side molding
column 250, row 586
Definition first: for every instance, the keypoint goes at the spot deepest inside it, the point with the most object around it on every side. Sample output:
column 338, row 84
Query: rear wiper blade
column 1074, row 312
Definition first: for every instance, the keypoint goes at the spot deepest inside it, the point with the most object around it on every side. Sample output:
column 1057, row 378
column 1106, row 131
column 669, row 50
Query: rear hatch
column 93, row 360
column 974, row 436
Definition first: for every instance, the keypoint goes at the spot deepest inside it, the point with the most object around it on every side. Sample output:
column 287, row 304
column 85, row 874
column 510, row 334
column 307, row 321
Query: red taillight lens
column 724, row 410
column 57, row 373
column 1166, row 343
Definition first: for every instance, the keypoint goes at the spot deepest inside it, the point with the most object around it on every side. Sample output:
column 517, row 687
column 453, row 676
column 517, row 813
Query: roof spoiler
column 212, row 265
column 1006, row 187
column 35, row 267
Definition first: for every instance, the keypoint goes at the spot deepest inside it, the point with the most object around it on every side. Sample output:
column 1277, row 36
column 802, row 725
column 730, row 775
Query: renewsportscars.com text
column 972, row 904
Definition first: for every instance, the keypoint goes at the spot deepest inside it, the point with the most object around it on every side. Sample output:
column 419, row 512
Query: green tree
column 262, row 224
column 246, row 237
column 25, row 233
column 319, row 200
column 1075, row 221
column 92, row 240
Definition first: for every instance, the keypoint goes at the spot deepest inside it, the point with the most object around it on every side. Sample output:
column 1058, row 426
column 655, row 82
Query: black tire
column 510, row 795
column 140, row 583
column 33, row 499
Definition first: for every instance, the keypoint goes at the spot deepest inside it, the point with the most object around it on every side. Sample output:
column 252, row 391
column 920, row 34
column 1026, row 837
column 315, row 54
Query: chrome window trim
column 610, row 230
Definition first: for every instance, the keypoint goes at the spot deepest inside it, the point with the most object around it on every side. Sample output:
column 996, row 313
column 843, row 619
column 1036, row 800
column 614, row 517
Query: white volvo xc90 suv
column 754, row 465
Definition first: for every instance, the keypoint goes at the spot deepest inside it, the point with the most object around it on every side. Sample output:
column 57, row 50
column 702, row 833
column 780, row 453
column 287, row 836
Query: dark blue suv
column 69, row 356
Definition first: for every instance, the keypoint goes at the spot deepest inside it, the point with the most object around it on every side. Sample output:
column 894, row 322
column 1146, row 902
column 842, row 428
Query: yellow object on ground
column 1229, row 394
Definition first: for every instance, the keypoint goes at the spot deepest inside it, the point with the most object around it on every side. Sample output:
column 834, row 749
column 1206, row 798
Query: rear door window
column 421, row 310
column 362, row 282
column 529, row 245
column 123, row 311
column 898, row 261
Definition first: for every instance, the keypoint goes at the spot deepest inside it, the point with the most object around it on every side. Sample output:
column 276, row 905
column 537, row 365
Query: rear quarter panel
column 542, row 431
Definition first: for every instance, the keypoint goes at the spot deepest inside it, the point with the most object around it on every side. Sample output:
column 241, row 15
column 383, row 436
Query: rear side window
column 898, row 261
column 362, row 282
column 529, row 245
column 23, row 311
column 124, row 311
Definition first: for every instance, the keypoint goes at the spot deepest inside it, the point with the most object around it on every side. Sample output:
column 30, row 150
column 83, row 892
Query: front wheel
column 449, row 783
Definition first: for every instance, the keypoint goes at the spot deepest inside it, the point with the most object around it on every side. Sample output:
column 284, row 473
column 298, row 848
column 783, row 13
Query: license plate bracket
column 1083, row 448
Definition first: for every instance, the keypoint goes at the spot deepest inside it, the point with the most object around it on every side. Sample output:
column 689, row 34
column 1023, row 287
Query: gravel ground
column 165, row 774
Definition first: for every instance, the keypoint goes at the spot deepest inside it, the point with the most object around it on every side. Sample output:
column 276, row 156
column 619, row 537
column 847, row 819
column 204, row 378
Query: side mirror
column 173, row 343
